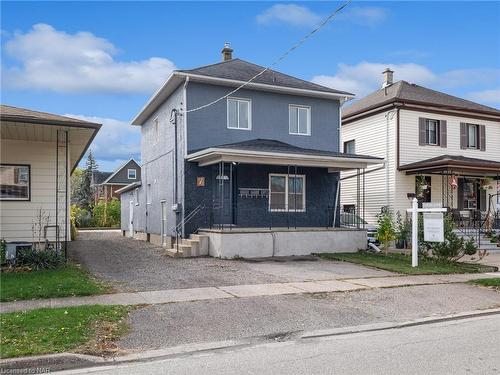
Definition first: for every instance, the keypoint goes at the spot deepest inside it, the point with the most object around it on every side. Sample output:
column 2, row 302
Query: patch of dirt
column 103, row 343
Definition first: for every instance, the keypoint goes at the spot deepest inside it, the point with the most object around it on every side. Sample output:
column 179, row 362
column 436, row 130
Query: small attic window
column 131, row 174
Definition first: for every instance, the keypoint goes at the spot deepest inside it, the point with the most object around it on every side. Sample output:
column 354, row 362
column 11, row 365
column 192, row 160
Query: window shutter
column 482, row 138
column 443, row 132
column 463, row 135
column 421, row 131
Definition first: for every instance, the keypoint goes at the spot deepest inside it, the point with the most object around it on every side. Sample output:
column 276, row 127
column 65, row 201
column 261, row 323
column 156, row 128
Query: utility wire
column 281, row 58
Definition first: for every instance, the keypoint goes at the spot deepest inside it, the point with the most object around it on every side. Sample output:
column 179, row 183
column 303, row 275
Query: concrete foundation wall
column 264, row 243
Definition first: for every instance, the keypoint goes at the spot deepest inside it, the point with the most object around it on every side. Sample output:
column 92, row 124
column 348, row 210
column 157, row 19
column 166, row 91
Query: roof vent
column 227, row 52
column 388, row 77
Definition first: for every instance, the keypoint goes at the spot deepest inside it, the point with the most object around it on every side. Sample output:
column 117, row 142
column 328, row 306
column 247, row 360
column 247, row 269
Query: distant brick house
column 105, row 184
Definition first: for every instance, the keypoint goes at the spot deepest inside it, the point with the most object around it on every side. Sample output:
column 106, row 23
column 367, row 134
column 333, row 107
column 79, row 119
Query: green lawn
column 493, row 283
column 402, row 264
column 58, row 330
column 62, row 282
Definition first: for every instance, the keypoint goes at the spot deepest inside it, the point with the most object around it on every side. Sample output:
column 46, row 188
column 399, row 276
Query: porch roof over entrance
column 454, row 163
column 271, row 152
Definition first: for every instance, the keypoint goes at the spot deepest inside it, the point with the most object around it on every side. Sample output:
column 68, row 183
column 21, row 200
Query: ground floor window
column 287, row 192
column 15, row 182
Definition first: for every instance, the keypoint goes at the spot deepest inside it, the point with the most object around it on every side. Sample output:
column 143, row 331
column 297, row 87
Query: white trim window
column 239, row 114
column 287, row 193
column 472, row 136
column 131, row 174
column 15, row 184
column 432, row 132
column 299, row 120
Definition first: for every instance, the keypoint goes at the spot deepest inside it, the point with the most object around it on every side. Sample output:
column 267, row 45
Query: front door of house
column 470, row 194
column 223, row 195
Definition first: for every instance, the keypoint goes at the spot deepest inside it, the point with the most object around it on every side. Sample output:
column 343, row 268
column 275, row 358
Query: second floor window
column 432, row 132
column 300, row 120
column 472, row 136
column 349, row 147
column 239, row 114
column 131, row 174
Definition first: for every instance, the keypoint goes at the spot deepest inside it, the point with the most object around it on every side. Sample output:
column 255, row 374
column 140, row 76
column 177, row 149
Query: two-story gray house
column 251, row 172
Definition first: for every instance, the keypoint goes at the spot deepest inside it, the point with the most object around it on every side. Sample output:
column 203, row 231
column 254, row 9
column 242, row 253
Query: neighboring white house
column 442, row 148
column 39, row 151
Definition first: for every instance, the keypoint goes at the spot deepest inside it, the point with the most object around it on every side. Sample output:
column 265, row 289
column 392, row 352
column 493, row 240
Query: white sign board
column 433, row 227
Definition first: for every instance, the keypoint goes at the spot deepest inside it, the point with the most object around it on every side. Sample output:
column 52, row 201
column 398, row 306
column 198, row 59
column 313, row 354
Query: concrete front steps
column 486, row 244
column 194, row 246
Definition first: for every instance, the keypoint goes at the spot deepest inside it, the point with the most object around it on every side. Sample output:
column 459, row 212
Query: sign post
column 433, row 227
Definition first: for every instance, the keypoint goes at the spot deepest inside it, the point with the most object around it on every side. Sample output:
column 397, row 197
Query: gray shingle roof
column 10, row 113
column 409, row 92
column 268, row 145
column 240, row 70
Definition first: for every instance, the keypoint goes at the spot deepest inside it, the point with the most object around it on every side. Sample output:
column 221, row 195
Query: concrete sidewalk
column 241, row 291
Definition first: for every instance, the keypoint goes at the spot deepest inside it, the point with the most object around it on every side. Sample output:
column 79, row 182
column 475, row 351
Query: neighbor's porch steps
column 486, row 243
column 194, row 246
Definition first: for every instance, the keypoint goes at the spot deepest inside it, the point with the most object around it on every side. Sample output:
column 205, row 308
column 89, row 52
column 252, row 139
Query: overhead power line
column 281, row 58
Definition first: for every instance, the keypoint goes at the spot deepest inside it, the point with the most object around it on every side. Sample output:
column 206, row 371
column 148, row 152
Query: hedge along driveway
column 65, row 281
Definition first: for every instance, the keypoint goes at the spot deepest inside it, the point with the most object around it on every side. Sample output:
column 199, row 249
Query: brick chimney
column 388, row 77
column 227, row 52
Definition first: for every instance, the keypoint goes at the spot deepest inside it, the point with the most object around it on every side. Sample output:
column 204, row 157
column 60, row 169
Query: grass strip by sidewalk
column 65, row 281
column 402, row 263
column 492, row 283
column 42, row 331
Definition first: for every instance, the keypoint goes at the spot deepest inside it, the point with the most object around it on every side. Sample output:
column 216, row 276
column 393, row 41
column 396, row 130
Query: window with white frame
column 300, row 120
column 350, row 147
column 136, row 196
column 432, row 132
column 14, row 182
column 239, row 113
column 472, row 136
column 132, row 174
column 287, row 192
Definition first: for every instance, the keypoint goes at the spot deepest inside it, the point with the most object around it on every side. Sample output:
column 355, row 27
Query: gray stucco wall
column 157, row 166
column 270, row 119
column 121, row 177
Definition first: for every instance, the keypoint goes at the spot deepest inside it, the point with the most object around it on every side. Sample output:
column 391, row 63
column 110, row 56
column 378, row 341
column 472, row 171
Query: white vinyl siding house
column 374, row 135
column 17, row 216
column 28, row 138
column 392, row 186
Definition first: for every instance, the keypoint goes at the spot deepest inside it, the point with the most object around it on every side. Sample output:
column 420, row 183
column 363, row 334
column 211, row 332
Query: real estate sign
column 433, row 227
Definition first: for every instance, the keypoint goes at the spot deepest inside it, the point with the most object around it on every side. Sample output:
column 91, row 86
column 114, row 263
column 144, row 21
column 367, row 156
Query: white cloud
column 115, row 142
column 365, row 77
column 292, row 14
column 486, row 96
column 82, row 62
column 297, row 15
column 366, row 16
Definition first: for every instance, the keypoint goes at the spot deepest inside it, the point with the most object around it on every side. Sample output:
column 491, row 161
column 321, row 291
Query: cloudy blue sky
column 102, row 60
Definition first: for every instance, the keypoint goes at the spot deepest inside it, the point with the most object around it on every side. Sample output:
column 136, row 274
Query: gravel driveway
column 133, row 265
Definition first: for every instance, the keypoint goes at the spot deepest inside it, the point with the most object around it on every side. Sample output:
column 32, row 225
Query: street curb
column 411, row 323
column 57, row 362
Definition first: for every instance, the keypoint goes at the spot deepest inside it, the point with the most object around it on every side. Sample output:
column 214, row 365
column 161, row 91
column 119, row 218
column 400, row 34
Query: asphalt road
column 469, row 346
